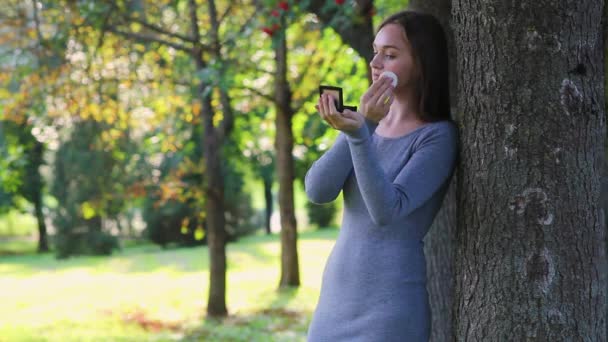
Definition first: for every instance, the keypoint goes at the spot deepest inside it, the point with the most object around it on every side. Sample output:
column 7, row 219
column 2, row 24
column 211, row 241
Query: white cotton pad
column 391, row 75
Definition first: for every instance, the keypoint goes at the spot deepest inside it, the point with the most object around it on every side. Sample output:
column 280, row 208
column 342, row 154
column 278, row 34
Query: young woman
column 393, row 160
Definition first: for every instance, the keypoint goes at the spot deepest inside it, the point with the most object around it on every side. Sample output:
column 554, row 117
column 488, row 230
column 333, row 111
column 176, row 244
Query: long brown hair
column 430, row 52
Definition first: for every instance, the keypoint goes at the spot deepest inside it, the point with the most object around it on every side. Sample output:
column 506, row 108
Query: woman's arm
column 325, row 178
column 427, row 170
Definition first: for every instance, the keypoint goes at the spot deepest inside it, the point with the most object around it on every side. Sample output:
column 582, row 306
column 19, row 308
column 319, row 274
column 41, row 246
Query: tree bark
column 214, row 179
column 531, row 263
column 268, row 199
column 214, row 210
column 290, row 274
column 440, row 240
column 34, row 192
column 43, row 242
column 605, row 177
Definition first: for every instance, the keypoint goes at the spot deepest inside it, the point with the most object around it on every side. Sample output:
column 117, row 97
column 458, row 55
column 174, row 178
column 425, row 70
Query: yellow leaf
column 196, row 108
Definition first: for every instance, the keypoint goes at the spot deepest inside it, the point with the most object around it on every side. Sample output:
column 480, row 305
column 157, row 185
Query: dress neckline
column 403, row 135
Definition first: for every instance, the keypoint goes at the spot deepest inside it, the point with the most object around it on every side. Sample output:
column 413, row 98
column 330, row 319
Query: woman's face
column 392, row 52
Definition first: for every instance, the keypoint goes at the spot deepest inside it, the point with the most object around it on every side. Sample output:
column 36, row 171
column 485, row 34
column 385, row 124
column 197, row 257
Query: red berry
column 274, row 13
column 340, row 2
column 268, row 31
column 284, row 5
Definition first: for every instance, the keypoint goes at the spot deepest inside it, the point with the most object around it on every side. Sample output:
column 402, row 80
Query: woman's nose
column 375, row 63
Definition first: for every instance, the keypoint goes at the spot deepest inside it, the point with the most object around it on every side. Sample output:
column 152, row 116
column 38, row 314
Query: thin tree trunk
column 36, row 185
column 290, row 273
column 214, row 179
column 43, row 244
column 268, row 199
column 531, row 262
column 214, row 210
column 440, row 240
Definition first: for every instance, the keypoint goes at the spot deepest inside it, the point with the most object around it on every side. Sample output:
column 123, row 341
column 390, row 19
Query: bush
column 84, row 242
column 85, row 175
column 321, row 215
column 172, row 222
column 180, row 222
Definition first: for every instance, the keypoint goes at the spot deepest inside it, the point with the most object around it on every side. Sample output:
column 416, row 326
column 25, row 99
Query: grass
column 15, row 223
column 145, row 293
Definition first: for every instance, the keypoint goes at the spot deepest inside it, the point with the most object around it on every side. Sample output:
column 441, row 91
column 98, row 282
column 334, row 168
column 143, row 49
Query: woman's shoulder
column 445, row 128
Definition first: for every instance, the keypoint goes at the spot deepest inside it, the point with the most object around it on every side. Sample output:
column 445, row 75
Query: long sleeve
column 325, row 178
column 428, row 169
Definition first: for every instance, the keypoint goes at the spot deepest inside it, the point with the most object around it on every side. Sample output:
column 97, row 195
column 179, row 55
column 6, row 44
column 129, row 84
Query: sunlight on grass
column 145, row 293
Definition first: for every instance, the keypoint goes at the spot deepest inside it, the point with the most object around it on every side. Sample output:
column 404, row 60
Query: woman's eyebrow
column 385, row 47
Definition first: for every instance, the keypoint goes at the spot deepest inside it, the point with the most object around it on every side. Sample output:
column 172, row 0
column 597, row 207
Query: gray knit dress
column 374, row 282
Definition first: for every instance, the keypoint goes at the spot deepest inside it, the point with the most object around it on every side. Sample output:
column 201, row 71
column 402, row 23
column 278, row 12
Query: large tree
column 206, row 36
column 531, row 263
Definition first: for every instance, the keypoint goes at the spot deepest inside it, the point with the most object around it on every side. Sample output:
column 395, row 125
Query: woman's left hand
column 347, row 121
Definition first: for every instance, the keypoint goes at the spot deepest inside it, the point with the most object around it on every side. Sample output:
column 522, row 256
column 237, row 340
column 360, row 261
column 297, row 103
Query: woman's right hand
column 377, row 100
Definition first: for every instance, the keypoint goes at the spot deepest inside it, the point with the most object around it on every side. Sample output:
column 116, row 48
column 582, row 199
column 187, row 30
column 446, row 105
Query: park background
column 152, row 157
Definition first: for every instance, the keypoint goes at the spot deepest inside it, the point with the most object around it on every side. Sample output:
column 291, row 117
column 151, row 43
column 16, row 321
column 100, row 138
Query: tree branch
column 298, row 105
column 223, row 16
column 160, row 30
column 227, row 123
column 147, row 38
column 270, row 98
column 196, row 34
column 359, row 35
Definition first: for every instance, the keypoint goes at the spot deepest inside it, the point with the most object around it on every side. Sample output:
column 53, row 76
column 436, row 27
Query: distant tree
column 24, row 164
column 82, row 181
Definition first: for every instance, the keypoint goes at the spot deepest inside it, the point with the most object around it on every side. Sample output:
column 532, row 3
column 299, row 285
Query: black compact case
column 337, row 94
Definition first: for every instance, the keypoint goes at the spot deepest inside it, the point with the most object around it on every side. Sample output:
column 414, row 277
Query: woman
column 393, row 160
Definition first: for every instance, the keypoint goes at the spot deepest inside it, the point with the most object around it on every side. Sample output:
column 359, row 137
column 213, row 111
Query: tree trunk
column 290, row 273
column 605, row 178
column 440, row 240
column 34, row 192
column 43, row 244
column 268, row 199
column 531, row 263
column 214, row 210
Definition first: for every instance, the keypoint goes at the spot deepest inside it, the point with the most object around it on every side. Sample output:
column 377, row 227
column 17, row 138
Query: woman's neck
column 403, row 111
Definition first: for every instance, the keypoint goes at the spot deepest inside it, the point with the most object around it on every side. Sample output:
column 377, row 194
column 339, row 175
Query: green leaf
column 88, row 212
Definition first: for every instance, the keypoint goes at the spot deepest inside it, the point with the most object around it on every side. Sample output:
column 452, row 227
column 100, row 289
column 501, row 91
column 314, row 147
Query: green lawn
column 147, row 294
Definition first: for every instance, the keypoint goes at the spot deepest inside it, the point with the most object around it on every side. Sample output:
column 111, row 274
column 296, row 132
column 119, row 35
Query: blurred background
column 148, row 149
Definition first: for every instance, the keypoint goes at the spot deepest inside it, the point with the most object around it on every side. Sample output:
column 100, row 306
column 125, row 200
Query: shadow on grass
column 271, row 324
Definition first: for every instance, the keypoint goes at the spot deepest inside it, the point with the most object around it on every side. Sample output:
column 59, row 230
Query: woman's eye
column 390, row 56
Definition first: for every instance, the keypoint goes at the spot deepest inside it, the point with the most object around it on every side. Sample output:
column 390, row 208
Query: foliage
column 175, row 214
column 85, row 176
column 76, row 66
column 321, row 215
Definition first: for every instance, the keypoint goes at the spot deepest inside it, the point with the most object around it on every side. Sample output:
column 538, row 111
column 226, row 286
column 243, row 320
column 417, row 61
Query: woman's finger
column 322, row 110
column 385, row 86
column 327, row 101
column 385, row 99
column 334, row 116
